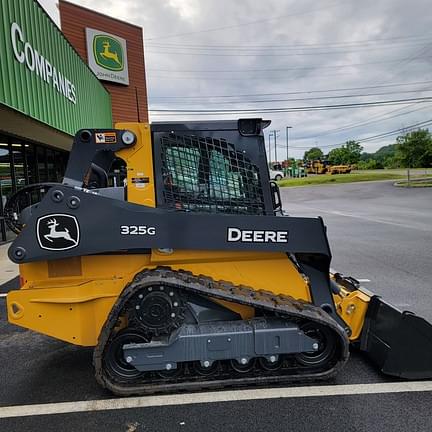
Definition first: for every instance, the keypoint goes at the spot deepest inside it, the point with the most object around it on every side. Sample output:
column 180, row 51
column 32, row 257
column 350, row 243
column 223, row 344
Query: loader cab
column 215, row 166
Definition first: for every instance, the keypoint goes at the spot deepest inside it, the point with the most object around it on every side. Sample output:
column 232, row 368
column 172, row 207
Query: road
column 376, row 231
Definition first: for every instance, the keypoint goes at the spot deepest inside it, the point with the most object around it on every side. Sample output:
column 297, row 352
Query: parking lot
column 377, row 232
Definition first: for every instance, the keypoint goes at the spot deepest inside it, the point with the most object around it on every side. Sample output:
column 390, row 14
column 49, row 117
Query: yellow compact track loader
column 166, row 249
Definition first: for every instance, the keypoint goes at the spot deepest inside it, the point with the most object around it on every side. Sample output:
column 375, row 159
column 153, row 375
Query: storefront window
column 42, row 164
column 30, row 157
column 5, row 171
column 18, row 165
column 51, row 165
column 22, row 164
column 60, row 166
column 5, row 183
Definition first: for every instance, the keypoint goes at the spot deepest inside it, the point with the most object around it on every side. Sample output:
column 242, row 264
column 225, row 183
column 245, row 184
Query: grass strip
column 340, row 178
column 415, row 183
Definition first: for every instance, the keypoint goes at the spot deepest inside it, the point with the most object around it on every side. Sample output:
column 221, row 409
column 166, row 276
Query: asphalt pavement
column 376, row 232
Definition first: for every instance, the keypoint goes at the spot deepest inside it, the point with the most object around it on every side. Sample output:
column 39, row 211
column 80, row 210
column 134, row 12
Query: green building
column 47, row 93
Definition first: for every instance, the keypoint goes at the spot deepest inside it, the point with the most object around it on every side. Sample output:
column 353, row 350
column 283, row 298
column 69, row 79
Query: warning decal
column 106, row 137
column 140, row 182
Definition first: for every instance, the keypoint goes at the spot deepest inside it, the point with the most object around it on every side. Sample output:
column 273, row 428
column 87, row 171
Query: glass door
column 6, row 186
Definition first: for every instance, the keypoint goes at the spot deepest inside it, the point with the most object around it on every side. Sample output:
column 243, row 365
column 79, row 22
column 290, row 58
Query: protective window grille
column 209, row 175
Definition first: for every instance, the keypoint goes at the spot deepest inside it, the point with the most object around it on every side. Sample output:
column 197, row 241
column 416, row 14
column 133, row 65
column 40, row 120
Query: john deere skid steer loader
column 184, row 273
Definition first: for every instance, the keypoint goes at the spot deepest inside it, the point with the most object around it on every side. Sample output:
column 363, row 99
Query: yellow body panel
column 352, row 307
column 139, row 161
column 74, row 308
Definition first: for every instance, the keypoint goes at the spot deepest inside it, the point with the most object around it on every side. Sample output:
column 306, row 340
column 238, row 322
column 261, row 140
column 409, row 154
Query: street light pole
column 275, row 143
column 269, row 149
column 287, row 141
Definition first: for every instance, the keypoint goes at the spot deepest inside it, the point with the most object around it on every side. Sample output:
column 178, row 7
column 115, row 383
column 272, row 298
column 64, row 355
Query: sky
column 288, row 56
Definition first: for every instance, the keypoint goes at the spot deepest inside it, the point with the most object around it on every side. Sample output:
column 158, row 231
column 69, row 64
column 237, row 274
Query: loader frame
column 73, row 221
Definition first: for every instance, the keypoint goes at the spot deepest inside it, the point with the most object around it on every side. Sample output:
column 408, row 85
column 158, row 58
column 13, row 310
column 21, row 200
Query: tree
column 353, row 152
column 414, row 149
column 368, row 164
column 313, row 153
column 384, row 157
column 337, row 156
column 385, row 152
column 367, row 156
column 348, row 154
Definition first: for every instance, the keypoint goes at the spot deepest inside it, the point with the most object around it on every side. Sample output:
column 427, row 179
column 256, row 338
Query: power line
column 374, row 137
column 273, row 52
column 372, row 120
column 260, row 78
column 211, row 53
column 295, row 92
column 302, row 68
column 358, row 124
column 395, row 39
column 285, row 77
column 293, row 109
column 315, row 98
column 250, row 52
column 417, row 55
column 413, row 57
column 396, row 131
column 302, row 50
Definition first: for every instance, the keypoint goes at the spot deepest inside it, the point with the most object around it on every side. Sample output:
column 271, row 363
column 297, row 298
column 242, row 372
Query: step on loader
column 167, row 250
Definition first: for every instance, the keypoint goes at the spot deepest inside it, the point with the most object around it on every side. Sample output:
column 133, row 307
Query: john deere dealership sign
column 107, row 56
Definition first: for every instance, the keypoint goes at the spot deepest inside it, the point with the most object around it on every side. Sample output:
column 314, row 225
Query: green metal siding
column 31, row 94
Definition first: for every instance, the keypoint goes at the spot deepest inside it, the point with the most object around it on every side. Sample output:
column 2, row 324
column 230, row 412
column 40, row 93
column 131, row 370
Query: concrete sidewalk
column 8, row 270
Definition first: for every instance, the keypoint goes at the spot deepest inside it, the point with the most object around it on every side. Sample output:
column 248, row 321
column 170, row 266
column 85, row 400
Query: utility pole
column 287, row 141
column 269, row 149
column 275, row 142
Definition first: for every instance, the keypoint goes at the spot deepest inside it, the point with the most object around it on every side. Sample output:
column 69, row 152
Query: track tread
column 203, row 285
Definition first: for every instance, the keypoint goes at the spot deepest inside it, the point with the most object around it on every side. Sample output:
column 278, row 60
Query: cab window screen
column 224, row 183
column 208, row 175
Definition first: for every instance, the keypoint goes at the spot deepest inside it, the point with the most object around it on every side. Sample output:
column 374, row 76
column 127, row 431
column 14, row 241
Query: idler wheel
column 326, row 346
column 115, row 364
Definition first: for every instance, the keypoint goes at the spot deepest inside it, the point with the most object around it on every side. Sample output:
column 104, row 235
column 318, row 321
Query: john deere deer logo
column 108, row 52
column 58, row 232
column 54, row 234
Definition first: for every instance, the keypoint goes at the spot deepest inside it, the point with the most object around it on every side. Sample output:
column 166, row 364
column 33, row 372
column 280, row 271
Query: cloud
column 187, row 9
column 197, row 50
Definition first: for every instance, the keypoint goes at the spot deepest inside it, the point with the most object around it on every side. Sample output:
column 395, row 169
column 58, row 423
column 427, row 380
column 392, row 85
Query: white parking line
column 363, row 280
column 3, row 295
column 212, row 397
column 362, row 217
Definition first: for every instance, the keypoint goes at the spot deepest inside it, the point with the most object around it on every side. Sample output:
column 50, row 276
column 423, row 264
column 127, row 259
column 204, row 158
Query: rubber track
column 202, row 285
